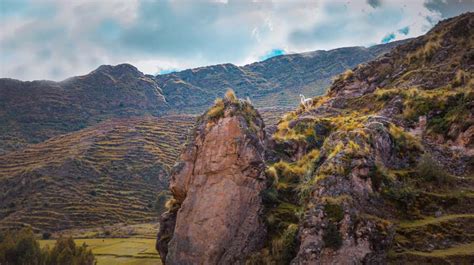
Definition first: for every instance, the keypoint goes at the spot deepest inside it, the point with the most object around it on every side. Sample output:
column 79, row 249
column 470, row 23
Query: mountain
column 379, row 170
column 277, row 81
column 31, row 112
column 104, row 174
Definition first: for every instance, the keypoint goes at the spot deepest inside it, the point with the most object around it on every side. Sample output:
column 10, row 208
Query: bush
column 428, row 169
column 460, row 78
column 65, row 251
column 217, row 110
column 230, row 96
column 284, row 247
column 161, row 199
column 46, row 235
column 21, row 247
column 404, row 196
column 334, row 212
column 332, row 237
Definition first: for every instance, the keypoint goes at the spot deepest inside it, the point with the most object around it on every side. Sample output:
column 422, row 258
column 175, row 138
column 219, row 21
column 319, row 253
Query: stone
column 218, row 185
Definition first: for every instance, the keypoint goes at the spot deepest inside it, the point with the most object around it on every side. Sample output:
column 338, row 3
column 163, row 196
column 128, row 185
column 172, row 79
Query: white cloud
column 55, row 39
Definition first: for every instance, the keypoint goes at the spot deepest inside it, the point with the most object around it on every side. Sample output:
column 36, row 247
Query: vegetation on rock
column 370, row 168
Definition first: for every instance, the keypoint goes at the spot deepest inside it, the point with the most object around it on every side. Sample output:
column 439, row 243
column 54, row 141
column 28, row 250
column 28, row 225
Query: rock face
column 218, row 209
column 333, row 231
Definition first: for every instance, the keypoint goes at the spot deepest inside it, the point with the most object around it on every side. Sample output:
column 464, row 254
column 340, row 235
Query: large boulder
column 217, row 188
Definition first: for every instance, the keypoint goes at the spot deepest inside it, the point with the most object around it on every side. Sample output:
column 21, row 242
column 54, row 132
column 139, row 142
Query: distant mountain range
column 34, row 111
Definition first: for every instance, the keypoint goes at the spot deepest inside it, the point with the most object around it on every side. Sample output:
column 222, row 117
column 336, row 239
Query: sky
column 56, row 39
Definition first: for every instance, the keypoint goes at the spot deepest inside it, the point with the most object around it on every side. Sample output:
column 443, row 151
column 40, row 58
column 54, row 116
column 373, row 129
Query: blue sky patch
column 404, row 30
column 168, row 71
column 272, row 53
column 388, row 38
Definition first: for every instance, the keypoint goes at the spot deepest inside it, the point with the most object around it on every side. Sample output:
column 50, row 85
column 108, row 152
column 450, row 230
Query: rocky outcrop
column 217, row 218
column 379, row 149
column 334, row 229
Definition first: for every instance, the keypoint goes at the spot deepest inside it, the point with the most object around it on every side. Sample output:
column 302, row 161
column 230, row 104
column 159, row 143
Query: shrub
column 160, row 203
column 334, row 212
column 21, row 247
column 332, row 237
column 172, row 204
column 230, row 96
column 284, row 247
column 46, row 235
column 459, row 78
column 65, row 251
column 347, row 74
column 403, row 196
column 428, row 169
column 217, row 111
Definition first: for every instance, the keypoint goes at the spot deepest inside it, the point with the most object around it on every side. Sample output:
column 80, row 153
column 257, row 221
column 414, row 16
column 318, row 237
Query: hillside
column 104, row 174
column 90, row 172
column 379, row 170
column 277, row 81
column 31, row 112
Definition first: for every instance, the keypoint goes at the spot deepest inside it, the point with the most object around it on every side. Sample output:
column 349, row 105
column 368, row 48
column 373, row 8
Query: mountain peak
column 118, row 70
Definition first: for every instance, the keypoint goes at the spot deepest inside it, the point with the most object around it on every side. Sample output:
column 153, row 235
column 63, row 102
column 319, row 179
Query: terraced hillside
column 105, row 174
column 31, row 112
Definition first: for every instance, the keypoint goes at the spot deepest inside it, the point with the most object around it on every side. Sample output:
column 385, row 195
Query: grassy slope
column 104, row 174
column 120, row 251
column 412, row 197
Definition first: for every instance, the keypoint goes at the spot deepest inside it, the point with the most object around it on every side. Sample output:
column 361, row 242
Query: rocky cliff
column 216, row 212
column 379, row 170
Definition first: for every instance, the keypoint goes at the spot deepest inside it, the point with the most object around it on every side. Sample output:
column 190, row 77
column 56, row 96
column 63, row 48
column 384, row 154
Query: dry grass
column 123, row 251
column 106, row 174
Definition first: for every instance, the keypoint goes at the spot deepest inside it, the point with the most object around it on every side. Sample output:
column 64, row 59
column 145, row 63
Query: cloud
column 450, row 8
column 55, row 39
column 374, row 3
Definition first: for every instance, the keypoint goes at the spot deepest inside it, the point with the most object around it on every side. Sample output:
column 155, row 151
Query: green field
column 129, row 251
